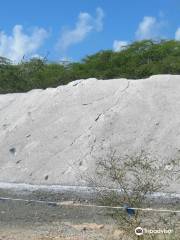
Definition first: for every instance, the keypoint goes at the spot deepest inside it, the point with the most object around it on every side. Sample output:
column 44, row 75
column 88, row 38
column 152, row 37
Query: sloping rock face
column 54, row 136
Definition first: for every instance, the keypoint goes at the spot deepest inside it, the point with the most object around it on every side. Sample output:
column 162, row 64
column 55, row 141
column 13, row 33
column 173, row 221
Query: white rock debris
column 54, row 136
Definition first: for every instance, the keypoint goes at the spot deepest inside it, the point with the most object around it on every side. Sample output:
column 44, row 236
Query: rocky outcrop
column 53, row 136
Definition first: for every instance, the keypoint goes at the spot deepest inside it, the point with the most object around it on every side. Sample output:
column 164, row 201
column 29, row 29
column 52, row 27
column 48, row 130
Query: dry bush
column 136, row 180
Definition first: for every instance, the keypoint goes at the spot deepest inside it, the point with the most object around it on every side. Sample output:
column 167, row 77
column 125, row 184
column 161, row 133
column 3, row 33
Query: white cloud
column 37, row 56
column 18, row 44
column 149, row 28
column 119, row 45
column 177, row 34
column 84, row 25
column 99, row 19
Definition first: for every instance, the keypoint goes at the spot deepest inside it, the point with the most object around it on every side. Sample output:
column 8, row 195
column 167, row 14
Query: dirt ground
column 63, row 231
column 21, row 221
column 42, row 221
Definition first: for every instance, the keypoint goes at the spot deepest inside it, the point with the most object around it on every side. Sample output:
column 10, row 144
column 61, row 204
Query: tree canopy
column 138, row 60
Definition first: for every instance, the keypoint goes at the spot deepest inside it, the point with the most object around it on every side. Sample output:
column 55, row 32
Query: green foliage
column 138, row 60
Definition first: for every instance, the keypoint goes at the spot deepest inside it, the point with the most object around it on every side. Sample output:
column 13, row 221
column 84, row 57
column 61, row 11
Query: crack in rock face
column 56, row 135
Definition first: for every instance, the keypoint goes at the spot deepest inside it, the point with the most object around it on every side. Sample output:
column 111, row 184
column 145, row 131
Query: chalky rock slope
column 54, row 136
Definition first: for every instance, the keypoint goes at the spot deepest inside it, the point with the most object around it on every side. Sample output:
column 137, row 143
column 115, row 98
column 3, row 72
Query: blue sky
column 75, row 28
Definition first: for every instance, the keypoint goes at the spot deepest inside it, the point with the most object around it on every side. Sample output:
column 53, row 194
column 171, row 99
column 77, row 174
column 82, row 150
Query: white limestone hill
column 51, row 136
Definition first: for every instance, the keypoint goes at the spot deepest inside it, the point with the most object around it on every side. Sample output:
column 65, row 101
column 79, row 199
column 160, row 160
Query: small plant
column 136, row 180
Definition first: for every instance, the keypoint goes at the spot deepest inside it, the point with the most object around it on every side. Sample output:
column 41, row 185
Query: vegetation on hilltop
column 137, row 60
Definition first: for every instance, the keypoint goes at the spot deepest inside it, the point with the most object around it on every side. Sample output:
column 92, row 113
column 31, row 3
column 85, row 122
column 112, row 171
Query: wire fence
column 72, row 204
